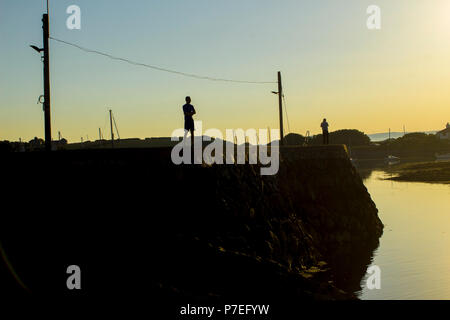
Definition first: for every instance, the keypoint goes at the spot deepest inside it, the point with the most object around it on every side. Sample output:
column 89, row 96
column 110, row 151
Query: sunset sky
column 332, row 65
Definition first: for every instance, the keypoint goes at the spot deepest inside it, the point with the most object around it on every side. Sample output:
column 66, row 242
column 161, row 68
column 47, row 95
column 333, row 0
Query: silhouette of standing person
column 325, row 134
column 189, row 111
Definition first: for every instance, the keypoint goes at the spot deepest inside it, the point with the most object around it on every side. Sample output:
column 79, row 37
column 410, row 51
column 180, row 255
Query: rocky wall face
column 316, row 209
column 187, row 226
column 336, row 210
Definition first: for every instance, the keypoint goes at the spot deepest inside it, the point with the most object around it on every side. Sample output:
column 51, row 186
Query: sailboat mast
column 112, row 131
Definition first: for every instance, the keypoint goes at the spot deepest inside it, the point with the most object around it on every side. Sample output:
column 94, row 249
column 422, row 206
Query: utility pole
column 47, row 119
column 280, row 101
column 112, row 130
column 99, row 134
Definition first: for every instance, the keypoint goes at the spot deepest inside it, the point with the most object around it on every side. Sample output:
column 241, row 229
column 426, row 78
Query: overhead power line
column 158, row 68
column 287, row 117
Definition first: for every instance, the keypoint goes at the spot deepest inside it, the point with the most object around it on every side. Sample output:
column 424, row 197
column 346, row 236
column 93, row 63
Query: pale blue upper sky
column 322, row 47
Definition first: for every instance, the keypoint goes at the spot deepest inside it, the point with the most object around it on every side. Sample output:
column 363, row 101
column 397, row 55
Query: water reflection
column 348, row 269
column 413, row 253
column 349, row 264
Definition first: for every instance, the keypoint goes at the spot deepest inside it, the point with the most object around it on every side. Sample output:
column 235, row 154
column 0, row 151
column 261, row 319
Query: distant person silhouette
column 189, row 111
column 325, row 134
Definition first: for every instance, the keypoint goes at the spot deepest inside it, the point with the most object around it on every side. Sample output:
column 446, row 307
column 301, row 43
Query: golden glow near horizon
column 332, row 67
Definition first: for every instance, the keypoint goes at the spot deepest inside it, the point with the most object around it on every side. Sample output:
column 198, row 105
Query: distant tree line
column 349, row 137
column 417, row 142
column 410, row 143
column 35, row 144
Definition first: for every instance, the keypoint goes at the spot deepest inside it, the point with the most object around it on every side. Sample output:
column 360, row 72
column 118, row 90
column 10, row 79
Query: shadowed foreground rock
column 135, row 223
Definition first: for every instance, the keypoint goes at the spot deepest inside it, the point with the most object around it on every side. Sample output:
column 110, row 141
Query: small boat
column 443, row 157
column 390, row 160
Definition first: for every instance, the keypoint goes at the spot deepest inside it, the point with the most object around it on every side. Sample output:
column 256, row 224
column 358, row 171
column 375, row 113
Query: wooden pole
column 47, row 118
column 280, row 102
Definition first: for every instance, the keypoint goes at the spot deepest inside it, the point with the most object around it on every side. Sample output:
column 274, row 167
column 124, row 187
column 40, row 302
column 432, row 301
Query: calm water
column 414, row 251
